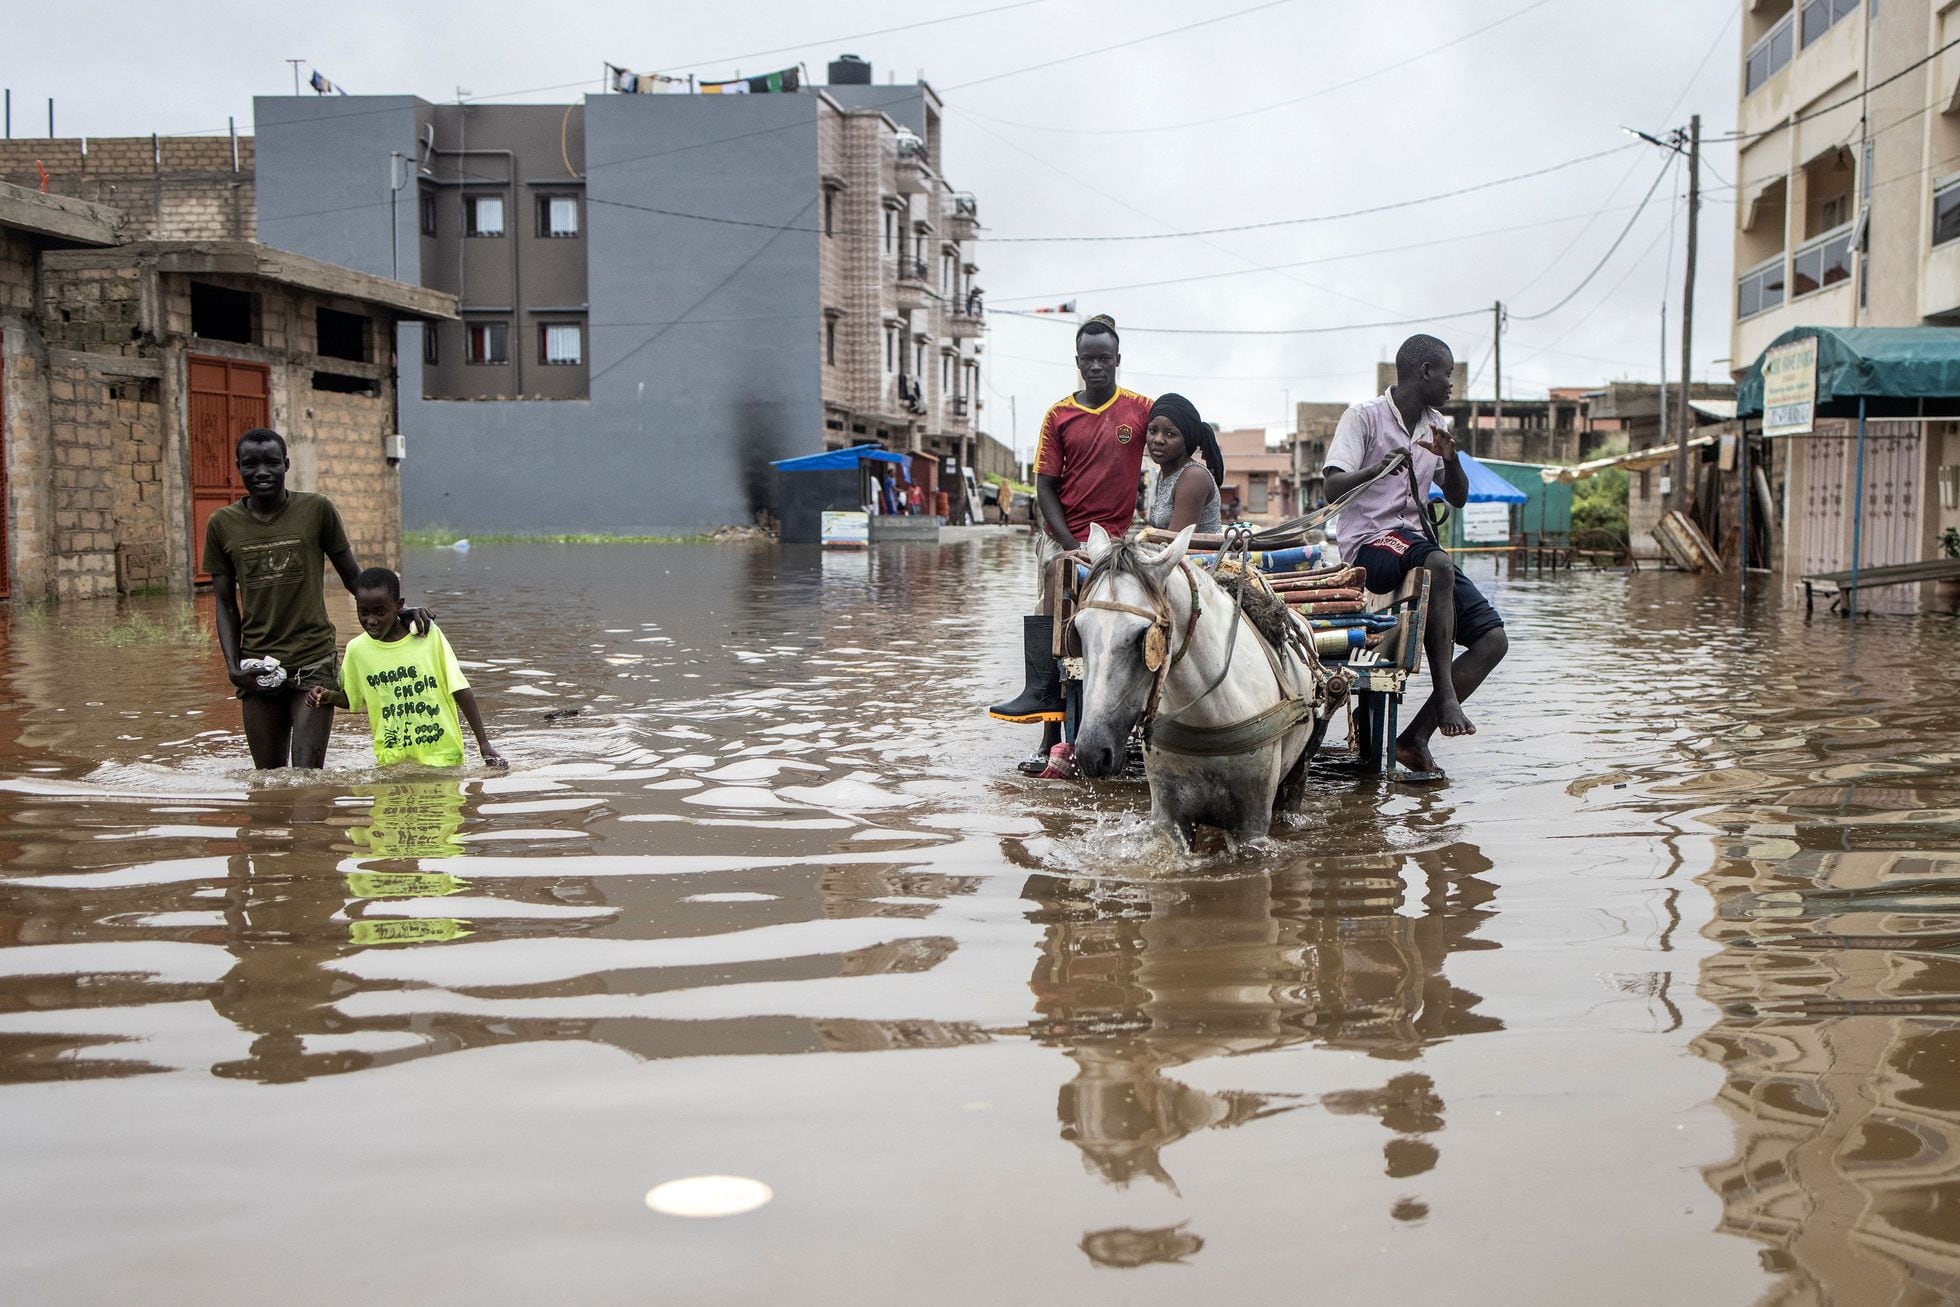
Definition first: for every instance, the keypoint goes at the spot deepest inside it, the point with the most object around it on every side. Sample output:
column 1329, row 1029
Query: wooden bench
column 1841, row 583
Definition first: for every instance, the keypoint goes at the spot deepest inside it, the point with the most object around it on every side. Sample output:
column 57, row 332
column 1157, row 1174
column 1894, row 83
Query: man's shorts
column 1388, row 559
column 323, row 672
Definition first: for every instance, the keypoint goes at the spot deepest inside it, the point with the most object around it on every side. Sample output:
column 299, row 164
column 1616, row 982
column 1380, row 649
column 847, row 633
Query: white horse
column 1220, row 750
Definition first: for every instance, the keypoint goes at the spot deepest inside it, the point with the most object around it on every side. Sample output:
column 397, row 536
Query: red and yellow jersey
column 1097, row 453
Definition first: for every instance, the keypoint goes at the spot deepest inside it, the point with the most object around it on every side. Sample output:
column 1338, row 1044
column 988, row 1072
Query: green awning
column 1892, row 368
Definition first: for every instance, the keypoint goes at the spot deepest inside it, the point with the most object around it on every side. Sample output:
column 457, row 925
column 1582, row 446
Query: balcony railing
column 1819, row 16
column 1822, row 262
column 1769, row 56
column 959, row 406
column 1760, row 289
column 913, row 270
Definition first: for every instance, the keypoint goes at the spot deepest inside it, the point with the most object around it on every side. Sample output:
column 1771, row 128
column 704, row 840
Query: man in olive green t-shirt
column 266, row 556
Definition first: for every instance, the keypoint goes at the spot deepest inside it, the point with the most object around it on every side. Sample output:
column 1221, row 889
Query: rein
column 1169, row 734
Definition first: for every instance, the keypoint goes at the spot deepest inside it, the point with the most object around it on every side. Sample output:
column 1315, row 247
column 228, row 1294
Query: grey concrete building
column 659, row 293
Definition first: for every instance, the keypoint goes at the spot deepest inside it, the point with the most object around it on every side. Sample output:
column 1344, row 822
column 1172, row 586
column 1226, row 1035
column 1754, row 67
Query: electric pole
column 295, row 63
column 1497, row 366
column 1683, row 415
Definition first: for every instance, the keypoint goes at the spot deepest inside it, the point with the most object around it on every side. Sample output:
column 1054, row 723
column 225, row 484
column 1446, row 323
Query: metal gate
column 1825, row 476
column 227, row 399
column 1891, row 511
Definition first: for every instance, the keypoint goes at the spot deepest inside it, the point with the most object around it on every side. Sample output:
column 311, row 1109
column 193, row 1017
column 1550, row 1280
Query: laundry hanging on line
column 789, row 79
column 627, row 82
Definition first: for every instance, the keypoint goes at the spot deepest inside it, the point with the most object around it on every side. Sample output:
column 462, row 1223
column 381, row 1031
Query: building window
column 489, row 342
column 1255, row 493
column 1769, row 55
column 1819, row 16
column 829, row 212
column 946, row 273
column 561, row 343
column 557, row 215
column 427, row 202
column 485, row 214
column 1760, row 289
column 1946, row 212
column 945, row 373
column 1824, row 262
column 341, row 335
column 830, row 342
column 221, row 313
column 431, row 351
column 891, row 349
column 891, row 232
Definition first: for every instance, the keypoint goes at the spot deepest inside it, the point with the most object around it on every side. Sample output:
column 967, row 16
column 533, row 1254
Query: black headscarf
column 1199, row 439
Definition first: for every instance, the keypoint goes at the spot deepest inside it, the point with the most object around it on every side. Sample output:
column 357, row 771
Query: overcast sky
column 1295, row 109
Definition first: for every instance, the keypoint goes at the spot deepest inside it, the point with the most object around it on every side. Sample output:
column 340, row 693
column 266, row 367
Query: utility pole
column 1497, row 366
column 295, row 63
column 1683, row 416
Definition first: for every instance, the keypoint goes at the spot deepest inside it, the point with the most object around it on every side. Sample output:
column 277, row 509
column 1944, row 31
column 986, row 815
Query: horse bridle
column 1158, row 657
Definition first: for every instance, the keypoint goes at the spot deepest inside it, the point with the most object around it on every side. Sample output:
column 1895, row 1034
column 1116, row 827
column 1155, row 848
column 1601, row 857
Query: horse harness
column 1171, row 735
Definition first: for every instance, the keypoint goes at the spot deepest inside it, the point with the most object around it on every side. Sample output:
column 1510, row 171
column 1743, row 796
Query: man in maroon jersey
column 1086, row 464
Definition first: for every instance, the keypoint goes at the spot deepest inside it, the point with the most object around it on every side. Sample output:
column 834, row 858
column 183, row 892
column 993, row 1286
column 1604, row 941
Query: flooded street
column 1657, row 1001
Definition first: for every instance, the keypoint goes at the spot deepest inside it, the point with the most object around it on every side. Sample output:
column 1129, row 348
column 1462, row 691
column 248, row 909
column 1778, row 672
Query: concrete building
column 1259, row 484
column 659, row 293
column 1848, row 214
column 128, row 370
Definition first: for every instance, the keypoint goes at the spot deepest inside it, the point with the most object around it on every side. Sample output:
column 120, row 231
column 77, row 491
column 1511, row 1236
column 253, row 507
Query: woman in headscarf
column 1189, row 466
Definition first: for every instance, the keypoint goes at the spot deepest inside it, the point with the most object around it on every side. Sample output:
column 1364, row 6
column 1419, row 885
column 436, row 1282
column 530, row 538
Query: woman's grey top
column 1162, row 498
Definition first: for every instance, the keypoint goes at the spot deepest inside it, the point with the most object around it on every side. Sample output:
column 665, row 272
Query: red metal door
column 6, row 526
column 227, row 399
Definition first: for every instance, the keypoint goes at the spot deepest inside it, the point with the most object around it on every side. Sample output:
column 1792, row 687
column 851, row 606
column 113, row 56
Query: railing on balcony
column 1819, row 16
column 1824, row 261
column 1769, row 56
column 965, row 206
column 913, row 270
column 959, row 406
column 1760, row 289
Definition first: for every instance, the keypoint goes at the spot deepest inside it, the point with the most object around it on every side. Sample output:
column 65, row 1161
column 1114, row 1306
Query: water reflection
column 1137, row 980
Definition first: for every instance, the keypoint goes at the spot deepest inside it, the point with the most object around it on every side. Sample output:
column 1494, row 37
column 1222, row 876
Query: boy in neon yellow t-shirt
column 411, row 686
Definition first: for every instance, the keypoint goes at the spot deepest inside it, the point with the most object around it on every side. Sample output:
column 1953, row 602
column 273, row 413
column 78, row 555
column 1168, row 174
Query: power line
column 1303, row 263
column 1399, row 66
column 1120, row 45
column 1324, row 217
column 1258, row 331
column 1617, row 241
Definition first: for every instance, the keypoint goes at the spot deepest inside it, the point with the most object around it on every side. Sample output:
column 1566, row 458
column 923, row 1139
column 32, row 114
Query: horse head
column 1124, row 625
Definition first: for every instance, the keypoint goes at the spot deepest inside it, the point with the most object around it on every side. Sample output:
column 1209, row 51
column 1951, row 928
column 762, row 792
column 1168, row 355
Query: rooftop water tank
column 849, row 70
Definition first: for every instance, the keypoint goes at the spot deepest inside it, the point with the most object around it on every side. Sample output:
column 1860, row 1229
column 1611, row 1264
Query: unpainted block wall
column 106, row 493
column 182, row 188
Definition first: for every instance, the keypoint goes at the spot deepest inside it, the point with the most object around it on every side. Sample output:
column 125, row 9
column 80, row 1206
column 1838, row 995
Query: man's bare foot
column 1416, row 758
column 1451, row 721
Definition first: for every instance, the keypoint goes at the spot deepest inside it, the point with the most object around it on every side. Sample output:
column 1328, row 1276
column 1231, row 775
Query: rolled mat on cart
column 1370, row 621
column 1301, row 598
column 1327, row 576
column 1321, row 609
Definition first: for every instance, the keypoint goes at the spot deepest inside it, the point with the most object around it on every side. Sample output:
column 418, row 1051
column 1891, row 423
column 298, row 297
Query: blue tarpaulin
column 1486, row 487
column 832, row 460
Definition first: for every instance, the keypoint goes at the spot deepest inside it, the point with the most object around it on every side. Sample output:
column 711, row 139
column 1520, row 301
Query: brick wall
column 345, row 432
column 106, row 432
column 16, row 272
column 179, row 188
column 98, row 310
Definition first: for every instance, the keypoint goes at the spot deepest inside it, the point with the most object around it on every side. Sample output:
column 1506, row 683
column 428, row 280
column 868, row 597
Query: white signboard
column 1790, row 388
column 845, row 530
column 1486, row 524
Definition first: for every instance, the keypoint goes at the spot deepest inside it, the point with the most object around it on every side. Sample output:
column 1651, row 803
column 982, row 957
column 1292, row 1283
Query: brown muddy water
column 1659, row 1001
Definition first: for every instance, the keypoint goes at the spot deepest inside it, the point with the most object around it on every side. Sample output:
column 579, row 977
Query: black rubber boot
column 1041, row 701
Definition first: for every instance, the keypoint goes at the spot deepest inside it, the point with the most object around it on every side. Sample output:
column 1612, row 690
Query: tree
column 1599, row 503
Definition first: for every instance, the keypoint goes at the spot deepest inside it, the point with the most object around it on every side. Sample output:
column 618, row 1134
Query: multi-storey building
column 659, row 293
column 1848, row 215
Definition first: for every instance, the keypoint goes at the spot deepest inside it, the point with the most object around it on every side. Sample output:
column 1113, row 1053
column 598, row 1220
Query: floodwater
column 1658, row 1001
